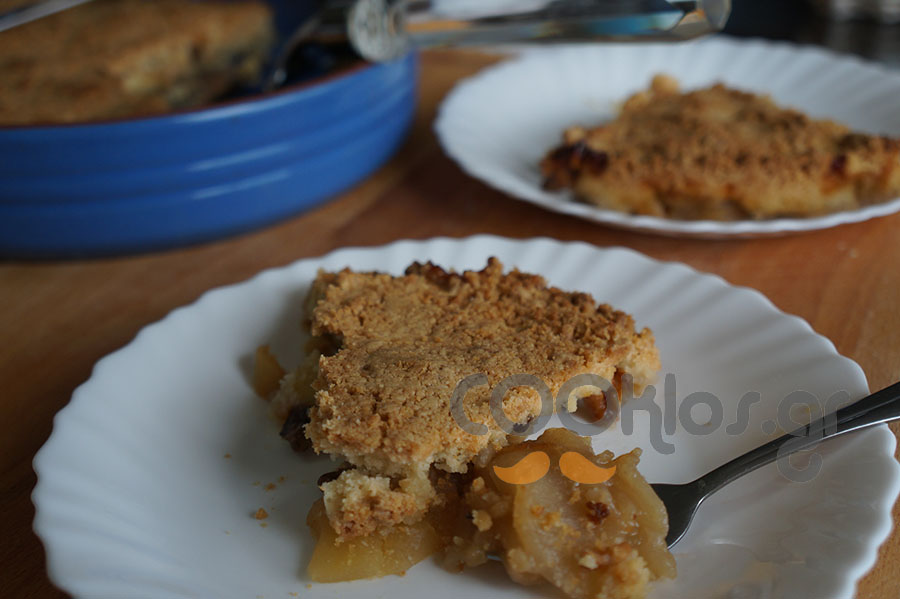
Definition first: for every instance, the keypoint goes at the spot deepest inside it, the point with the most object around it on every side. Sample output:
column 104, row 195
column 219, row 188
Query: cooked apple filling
column 592, row 541
column 373, row 556
column 603, row 540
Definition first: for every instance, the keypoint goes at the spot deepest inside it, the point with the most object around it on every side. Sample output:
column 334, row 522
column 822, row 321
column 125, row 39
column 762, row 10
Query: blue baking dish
column 144, row 184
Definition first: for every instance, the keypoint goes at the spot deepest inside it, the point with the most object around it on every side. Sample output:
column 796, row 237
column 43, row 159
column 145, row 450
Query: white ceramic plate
column 500, row 123
column 135, row 498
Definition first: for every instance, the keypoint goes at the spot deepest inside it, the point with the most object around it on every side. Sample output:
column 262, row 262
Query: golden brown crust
column 383, row 400
column 722, row 154
column 114, row 58
column 397, row 348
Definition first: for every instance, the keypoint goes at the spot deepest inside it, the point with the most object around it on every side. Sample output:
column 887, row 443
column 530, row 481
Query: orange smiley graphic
column 529, row 469
column 535, row 466
column 578, row 468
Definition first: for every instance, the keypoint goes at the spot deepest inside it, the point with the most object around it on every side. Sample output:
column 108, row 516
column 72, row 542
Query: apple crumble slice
column 385, row 357
column 722, row 154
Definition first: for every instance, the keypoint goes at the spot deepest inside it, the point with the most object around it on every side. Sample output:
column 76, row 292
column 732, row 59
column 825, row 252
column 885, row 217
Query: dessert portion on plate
column 590, row 539
column 385, row 358
column 119, row 58
column 721, row 154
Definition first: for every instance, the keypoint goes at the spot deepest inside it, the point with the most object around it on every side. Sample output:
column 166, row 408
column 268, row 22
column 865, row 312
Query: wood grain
column 58, row 318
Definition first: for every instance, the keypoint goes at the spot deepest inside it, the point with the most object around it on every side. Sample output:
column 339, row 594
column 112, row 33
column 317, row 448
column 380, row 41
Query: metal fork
column 682, row 501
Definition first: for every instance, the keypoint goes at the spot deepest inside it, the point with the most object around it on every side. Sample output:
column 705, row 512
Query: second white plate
column 499, row 124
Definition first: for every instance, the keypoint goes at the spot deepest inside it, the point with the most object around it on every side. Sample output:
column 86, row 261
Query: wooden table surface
column 58, row 318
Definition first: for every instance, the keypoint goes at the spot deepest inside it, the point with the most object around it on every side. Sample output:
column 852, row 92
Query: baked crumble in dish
column 123, row 58
column 721, row 154
column 374, row 392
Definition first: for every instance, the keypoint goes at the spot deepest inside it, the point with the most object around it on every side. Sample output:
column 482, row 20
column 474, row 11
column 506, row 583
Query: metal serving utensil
column 381, row 30
column 384, row 29
column 682, row 501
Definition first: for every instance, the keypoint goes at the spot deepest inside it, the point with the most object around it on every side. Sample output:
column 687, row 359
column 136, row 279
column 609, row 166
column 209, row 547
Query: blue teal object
column 145, row 184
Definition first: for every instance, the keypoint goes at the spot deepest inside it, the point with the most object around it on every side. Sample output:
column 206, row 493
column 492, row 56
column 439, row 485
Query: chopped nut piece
column 589, row 561
column 482, row 520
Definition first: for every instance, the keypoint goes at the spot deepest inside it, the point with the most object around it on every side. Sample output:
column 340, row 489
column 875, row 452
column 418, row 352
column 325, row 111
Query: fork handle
column 877, row 408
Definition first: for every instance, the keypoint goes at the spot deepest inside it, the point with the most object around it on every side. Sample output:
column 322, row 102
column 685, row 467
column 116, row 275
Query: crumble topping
column 722, row 154
column 388, row 351
column 363, row 504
